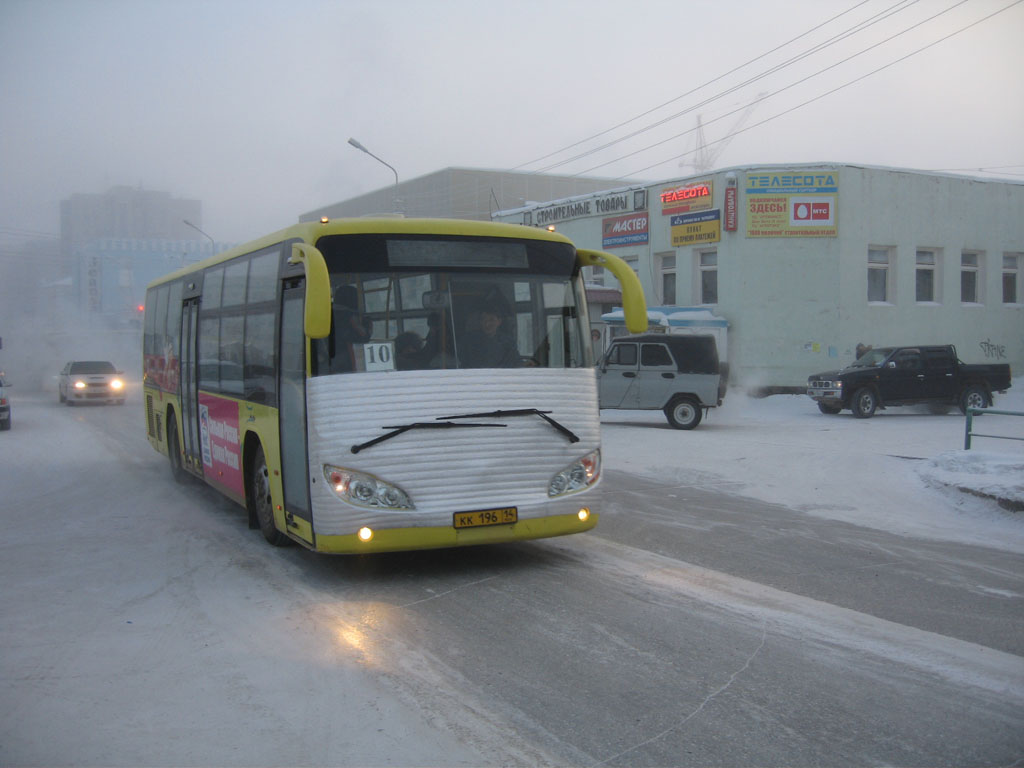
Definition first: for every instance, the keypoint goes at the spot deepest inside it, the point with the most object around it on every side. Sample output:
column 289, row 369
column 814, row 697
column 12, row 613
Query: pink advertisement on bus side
column 219, row 439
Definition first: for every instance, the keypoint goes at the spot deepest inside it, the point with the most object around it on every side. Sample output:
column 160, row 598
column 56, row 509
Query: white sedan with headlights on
column 91, row 381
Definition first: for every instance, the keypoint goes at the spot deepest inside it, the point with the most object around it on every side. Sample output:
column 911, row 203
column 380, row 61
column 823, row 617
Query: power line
column 805, row 79
column 845, row 34
column 688, row 93
column 809, row 101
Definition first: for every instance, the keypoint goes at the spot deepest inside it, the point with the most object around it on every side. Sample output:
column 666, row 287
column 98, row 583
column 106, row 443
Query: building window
column 879, row 274
column 707, row 262
column 596, row 275
column 1012, row 263
column 970, row 277
column 926, row 281
column 668, row 279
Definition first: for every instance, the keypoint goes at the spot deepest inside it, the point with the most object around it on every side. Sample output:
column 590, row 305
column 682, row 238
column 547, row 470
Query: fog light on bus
column 583, row 514
column 578, row 476
column 365, row 490
column 365, row 534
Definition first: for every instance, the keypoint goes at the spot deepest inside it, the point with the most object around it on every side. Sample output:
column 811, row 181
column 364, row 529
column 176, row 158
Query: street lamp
column 197, row 229
column 361, row 148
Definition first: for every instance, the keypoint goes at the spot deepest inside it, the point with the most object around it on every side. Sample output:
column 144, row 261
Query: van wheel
column 974, row 397
column 259, row 501
column 683, row 412
column 174, row 452
column 864, row 403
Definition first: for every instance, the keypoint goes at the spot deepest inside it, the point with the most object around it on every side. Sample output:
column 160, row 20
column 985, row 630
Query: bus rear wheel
column 259, row 500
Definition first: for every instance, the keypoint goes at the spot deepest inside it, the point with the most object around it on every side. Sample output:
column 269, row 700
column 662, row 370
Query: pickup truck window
column 937, row 358
column 909, row 360
column 873, row 358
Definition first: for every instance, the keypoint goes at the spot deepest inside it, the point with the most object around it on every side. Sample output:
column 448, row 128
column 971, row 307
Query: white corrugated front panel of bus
column 449, row 470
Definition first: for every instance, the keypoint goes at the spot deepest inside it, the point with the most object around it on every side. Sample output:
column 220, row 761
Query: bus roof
column 311, row 231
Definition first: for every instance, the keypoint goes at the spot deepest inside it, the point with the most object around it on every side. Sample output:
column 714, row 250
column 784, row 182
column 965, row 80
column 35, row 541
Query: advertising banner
column 792, row 204
column 218, row 437
column 622, row 231
column 684, row 198
column 731, row 208
column 696, row 228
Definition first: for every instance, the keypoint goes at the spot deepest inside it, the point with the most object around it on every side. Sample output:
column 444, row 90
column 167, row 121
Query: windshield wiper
column 573, row 438
column 398, row 430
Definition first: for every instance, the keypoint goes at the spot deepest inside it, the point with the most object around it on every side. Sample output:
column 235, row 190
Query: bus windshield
column 425, row 302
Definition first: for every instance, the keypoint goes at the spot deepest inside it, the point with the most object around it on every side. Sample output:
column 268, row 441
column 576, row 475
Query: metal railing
column 969, row 432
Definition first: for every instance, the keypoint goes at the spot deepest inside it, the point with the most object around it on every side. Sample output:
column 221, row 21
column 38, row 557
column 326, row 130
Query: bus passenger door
column 292, row 411
column 187, row 385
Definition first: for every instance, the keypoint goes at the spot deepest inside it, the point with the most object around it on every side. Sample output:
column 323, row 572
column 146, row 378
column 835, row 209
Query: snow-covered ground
column 904, row 470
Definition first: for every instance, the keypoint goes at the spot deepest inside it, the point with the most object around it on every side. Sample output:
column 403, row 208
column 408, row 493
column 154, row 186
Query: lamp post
column 197, row 229
column 361, row 148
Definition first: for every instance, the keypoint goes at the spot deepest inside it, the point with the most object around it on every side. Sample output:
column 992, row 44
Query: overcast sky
column 248, row 106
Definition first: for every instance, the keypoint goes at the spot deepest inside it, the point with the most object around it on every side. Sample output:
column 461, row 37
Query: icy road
column 142, row 623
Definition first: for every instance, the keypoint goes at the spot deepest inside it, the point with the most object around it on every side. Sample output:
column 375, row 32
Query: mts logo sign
column 811, row 211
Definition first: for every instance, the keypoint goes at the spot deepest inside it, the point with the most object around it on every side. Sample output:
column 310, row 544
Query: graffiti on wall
column 998, row 351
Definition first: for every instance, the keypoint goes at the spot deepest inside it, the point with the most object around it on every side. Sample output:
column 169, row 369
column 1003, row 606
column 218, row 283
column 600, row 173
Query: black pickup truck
column 906, row 376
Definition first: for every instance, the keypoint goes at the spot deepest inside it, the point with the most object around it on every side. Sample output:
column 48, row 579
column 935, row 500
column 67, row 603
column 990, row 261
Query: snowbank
column 904, row 470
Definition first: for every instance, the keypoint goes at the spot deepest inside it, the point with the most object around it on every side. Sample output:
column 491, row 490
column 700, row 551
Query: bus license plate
column 503, row 516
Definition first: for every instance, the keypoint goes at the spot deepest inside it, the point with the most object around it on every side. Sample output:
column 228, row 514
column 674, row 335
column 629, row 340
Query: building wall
column 798, row 304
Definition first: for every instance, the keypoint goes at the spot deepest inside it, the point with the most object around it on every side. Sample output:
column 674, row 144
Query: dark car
column 677, row 374
column 91, row 381
column 889, row 376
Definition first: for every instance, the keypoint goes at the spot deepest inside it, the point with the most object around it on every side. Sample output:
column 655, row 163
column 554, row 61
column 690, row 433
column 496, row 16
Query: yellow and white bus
column 370, row 385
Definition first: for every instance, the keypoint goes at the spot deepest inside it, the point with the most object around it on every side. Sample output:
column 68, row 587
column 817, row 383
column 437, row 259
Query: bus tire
column 259, row 501
column 174, row 450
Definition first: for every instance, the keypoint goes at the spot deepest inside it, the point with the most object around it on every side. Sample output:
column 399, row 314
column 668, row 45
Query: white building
column 804, row 262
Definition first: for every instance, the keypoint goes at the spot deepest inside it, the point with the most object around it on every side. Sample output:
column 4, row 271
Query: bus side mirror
column 318, row 289
column 634, row 307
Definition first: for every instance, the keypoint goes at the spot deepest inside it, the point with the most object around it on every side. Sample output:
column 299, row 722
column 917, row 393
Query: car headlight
column 578, row 476
column 116, row 384
column 79, row 384
column 364, row 490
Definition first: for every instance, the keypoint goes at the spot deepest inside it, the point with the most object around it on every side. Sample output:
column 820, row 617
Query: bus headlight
column 364, row 490
column 578, row 476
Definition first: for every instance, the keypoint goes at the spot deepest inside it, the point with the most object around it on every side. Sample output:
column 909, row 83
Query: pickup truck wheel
column 974, row 397
column 683, row 412
column 829, row 410
column 864, row 403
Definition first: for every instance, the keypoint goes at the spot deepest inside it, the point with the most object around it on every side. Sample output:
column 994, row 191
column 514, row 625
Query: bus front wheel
column 174, row 451
column 259, row 499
